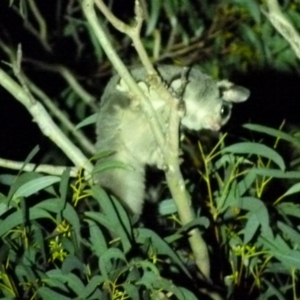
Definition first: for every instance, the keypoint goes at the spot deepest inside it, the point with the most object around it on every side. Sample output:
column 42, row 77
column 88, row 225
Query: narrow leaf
column 256, row 149
column 273, row 132
column 90, row 120
column 35, row 185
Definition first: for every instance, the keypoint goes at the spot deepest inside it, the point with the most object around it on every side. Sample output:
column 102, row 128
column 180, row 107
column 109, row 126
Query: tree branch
column 48, row 169
column 168, row 144
column 44, row 121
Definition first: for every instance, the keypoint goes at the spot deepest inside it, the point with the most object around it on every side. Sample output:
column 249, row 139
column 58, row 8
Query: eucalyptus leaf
column 289, row 209
column 75, row 283
column 107, row 259
column 256, row 149
column 290, row 232
column 276, row 173
column 97, row 238
column 48, row 294
column 35, row 186
column 155, row 10
column 292, row 190
column 15, row 219
column 90, row 288
column 30, row 156
column 273, row 132
column 161, row 246
column 108, row 208
column 132, row 290
column 251, row 227
column 90, row 120
column 70, row 214
column 72, row 263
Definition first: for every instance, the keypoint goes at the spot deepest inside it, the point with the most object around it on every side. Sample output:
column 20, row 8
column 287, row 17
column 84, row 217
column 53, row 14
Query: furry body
column 123, row 128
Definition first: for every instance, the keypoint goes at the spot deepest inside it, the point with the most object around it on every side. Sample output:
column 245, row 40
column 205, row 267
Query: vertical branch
column 168, row 144
column 88, row 9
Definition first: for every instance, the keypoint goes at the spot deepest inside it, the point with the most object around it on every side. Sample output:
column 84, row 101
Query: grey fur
column 123, row 128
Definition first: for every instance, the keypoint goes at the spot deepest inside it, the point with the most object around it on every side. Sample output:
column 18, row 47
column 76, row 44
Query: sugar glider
column 123, row 129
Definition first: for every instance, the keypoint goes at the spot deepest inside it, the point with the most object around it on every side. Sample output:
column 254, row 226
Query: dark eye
column 225, row 111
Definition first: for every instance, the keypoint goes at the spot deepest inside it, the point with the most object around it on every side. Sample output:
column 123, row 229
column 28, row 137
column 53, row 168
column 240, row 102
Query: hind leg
column 128, row 185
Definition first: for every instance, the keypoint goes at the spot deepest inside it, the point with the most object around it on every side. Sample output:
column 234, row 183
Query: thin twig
column 48, row 169
column 27, row 83
column 44, row 121
column 85, row 96
column 56, row 112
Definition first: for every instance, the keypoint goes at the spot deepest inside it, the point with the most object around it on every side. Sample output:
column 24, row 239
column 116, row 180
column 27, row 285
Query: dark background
column 274, row 95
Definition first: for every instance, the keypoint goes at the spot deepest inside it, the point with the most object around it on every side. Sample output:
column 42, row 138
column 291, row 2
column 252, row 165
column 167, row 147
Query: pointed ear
column 233, row 93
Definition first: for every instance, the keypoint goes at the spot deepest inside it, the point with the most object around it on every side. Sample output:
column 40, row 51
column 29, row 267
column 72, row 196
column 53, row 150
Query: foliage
column 56, row 249
column 66, row 239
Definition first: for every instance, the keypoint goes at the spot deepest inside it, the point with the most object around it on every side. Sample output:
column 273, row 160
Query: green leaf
column 97, row 238
column 256, row 149
column 276, row 245
column 276, row 173
column 253, row 8
column 257, row 208
column 250, row 228
column 75, row 283
column 72, row 263
column 48, row 294
column 4, row 206
column 292, row 190
column 167, row 207
column 90, row 120
column 132, row 290
column 16, row 219
column 289, row 208
column 52, row 205
column 245, row 184
column 123, row 217
column 106, row 261
column 258, row 215
column 21, row 180
column 101, row 219
column 90, row 288
column 187, row 294
column 30, row 156
column 143, row 235
column 35, row 185
column 273, row 132
column 70, row 214
column 7, row 179
column 106, row 165
column 196, row 222
column 271, row 292
column 154, row 14
column 291, row 260
column 57, row 275
column 149, row 266
column 4, row 253
column 108, row 208
column 252, row 37
column 292, row 234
